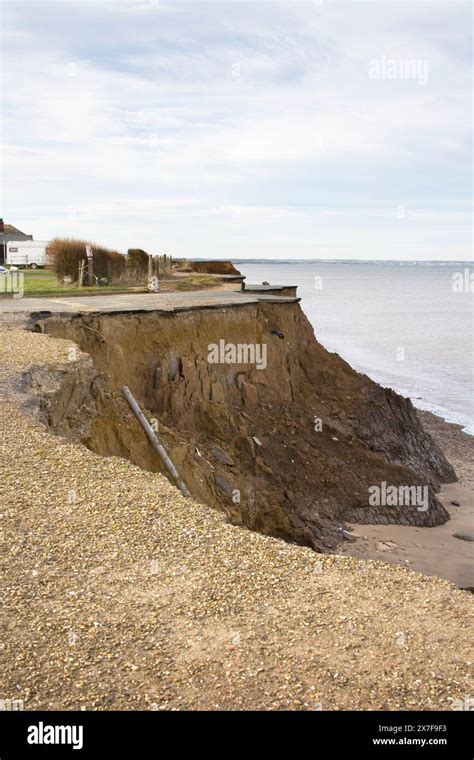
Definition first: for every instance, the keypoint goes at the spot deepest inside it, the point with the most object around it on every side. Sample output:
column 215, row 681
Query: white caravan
column 26, row 253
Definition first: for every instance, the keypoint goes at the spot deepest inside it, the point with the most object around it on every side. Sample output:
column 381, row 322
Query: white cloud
column 125, row 120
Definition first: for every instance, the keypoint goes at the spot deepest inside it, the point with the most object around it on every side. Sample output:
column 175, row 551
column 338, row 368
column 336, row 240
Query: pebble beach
column 122, row 594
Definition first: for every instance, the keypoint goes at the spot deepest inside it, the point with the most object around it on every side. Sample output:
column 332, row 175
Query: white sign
column 89, row 251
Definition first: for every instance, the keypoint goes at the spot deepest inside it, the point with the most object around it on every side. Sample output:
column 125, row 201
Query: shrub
column 137, row 259
column 65, row 254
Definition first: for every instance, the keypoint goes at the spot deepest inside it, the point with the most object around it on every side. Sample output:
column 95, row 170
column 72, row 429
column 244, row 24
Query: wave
column 426, row 405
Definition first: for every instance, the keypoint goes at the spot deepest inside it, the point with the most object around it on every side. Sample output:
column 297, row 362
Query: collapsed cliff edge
column 292, row 449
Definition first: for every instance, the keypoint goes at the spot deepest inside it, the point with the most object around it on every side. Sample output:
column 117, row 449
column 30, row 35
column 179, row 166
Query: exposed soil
column 437, row 551
column 121, row 594
column 243, row 438
column 458, row 446
column 213, row 267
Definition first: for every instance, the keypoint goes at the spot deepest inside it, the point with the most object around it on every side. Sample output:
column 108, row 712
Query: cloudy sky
column 231, row 129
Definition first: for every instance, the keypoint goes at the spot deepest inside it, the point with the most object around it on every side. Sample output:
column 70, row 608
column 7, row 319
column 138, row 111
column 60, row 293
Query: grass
column 41, row 282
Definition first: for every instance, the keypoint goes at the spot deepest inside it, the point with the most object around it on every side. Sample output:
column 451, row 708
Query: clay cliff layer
column 289, row 450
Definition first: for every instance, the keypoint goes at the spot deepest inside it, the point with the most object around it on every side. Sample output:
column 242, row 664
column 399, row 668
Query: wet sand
column 432, row 551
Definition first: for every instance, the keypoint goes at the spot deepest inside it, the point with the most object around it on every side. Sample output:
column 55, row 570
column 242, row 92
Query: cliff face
column 213, row 267
column 290, row 450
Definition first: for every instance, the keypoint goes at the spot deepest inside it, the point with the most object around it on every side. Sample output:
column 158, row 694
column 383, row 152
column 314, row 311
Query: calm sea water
column 404, row 325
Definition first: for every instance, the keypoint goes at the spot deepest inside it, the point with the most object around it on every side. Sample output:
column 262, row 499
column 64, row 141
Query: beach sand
column 432, row 551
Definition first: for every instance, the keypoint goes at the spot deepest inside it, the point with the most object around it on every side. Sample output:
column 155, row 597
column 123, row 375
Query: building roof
column 10, row 232
column 9, row 229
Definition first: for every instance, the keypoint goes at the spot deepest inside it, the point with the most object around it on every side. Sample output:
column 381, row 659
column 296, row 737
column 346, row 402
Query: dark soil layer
column 245, row 440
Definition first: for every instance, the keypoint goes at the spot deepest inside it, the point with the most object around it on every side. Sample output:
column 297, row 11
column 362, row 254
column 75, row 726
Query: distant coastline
column 391, row 262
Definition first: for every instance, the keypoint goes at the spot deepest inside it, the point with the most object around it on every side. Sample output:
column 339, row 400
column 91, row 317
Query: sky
column 319, row 129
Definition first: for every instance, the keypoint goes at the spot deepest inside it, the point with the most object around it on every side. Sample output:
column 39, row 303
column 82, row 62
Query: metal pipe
column 154, row 440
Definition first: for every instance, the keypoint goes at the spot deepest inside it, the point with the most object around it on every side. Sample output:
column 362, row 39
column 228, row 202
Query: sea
column 407, row 325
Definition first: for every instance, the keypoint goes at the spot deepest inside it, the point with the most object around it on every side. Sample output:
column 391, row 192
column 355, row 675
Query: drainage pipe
column 154, row 440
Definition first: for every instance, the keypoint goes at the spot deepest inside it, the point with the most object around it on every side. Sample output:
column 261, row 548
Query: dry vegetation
column 65, row 254
column 113, row 268
column 193, row 282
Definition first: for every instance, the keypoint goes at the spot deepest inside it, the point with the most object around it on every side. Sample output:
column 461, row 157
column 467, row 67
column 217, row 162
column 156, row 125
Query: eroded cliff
column 290, row 449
